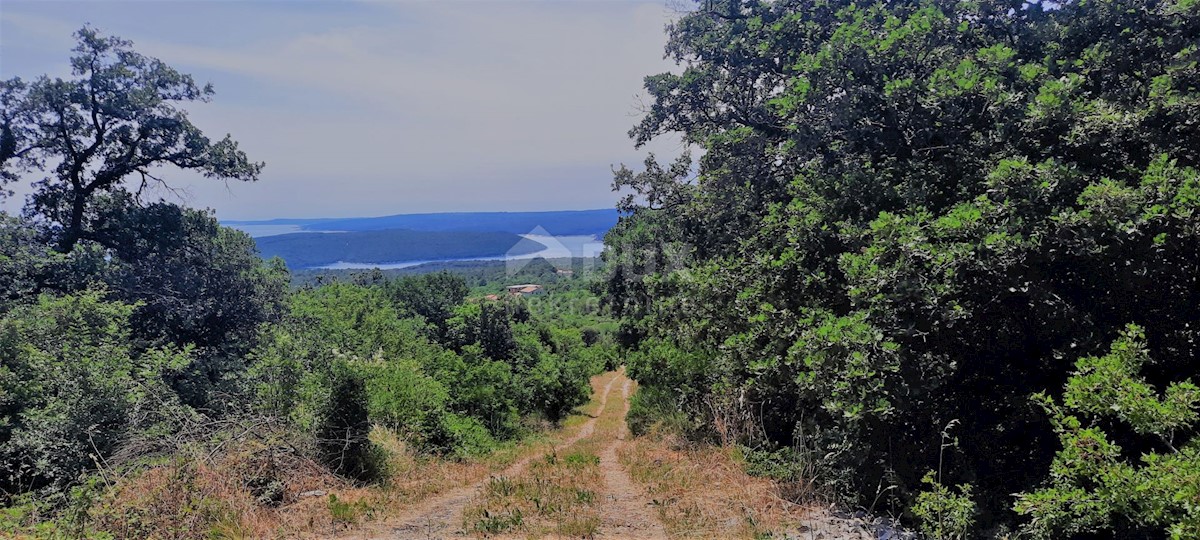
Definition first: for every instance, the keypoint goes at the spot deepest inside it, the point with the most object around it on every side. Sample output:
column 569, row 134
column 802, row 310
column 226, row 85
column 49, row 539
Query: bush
column 484, row 389
column 72, row 389
column 343, row 426
column 1094, row 486
column 944, row 513
column 458, row 435
column 401, row 396
column 655, row 408
column 454, row 401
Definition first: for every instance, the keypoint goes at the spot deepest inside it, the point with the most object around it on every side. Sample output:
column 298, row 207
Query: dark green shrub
column 655, row 408
column 72, row 388
column 1096, row 486
column 343, row 425
column 458, row 435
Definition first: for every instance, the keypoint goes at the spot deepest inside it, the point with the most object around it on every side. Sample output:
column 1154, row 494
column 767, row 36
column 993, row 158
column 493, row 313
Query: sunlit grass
column 704, row 492
column 556, row 494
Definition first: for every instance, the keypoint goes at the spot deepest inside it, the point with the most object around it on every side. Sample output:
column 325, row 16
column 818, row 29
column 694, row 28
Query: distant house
column 528, row 289
column 491, row 298
column 564, row 272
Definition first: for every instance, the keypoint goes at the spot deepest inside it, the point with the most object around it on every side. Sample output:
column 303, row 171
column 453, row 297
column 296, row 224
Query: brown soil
column 441, row 516
column 679, row 492
column 625, row 511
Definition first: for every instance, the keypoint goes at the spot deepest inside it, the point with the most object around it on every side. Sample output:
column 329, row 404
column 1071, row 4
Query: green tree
column 431, row 296
column 72, row 388
column 343, row 425
column 197, row 282
column 488, row 325
column 909, row 212
column 109, row 129
column 1094, row 486
column 30, row 266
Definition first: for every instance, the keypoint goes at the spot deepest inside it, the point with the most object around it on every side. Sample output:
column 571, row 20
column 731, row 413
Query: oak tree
column 111, row 127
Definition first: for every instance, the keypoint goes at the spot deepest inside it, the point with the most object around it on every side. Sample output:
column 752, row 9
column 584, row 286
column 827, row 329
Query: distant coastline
column 557, row 247
column 407, row 240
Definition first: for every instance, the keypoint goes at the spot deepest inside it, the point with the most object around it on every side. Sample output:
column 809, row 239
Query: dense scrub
column 159, row 378
column 81, row 393
column 909, row 219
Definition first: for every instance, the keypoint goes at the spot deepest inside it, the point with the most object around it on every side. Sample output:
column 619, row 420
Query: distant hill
column 311, row 250
column 567, row 222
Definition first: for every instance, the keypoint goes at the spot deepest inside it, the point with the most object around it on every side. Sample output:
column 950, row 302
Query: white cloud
column 407, row 106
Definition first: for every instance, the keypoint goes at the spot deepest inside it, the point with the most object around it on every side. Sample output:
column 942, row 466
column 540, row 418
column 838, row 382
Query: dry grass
column 556, row 494
column 252, row 492
column 252, row 489
column 704, row 492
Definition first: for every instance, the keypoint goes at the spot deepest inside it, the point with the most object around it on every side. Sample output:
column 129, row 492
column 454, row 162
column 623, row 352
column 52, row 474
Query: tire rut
column 441, row 517
column 625, row 512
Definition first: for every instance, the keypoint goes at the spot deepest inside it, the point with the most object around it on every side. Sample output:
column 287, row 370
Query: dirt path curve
column 624, row 511
column 441, row 516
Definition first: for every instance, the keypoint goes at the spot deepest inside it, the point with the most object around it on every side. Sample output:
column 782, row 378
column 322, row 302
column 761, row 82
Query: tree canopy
column 107, row 130
column 913, row 212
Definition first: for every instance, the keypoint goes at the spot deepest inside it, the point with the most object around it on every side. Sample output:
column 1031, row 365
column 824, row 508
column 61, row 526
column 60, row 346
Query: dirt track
column 625, row 512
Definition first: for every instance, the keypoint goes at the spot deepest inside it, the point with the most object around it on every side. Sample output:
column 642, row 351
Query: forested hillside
column 942, row 255
column 309, row 250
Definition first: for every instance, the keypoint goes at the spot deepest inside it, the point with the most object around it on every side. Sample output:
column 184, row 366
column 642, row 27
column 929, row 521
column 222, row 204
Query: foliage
column 343, row 425
column 197, row 282
column 29, row 266
column 72, row 388
column 1095, row 485
column 456, row 396
column 401, row 395
column 431, row 296
column 656, row 407
column 194, row 283
column 116, row 119
column 945, row 513
column 459, row 435
column 907, row 212
column 99, row 140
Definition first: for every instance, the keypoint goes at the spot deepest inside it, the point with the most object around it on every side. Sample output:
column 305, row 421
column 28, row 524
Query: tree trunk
column 75, row 227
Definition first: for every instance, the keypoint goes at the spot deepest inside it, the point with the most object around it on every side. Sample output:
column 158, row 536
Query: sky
column 363, row 108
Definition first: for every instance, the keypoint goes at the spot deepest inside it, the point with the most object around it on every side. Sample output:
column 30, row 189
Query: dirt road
column 623, row 511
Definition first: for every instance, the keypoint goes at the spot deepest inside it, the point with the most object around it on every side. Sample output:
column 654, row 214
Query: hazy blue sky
column 370, row 108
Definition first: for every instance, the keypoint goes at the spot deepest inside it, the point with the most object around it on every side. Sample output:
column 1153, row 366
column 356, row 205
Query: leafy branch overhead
column 1093, row 482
